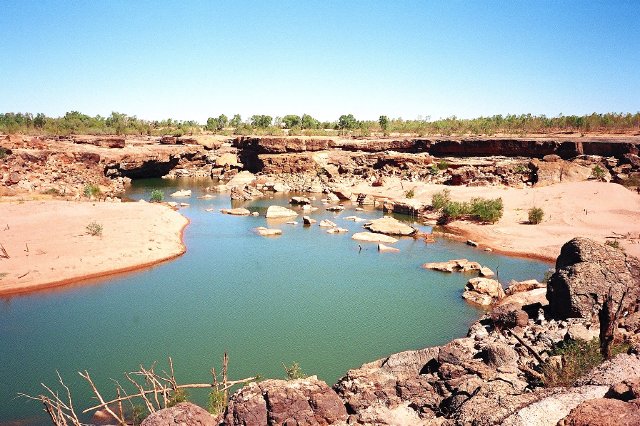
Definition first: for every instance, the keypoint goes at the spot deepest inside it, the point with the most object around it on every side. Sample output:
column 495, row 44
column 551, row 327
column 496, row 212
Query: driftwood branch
column 3, row 252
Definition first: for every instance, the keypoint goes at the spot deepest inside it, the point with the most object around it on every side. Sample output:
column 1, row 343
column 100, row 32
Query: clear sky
column 196, row 59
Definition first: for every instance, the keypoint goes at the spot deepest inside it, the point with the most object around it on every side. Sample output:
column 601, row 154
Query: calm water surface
column 306, row 296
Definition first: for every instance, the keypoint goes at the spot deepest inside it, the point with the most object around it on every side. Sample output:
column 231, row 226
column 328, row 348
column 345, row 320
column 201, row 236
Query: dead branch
column 3, row 252
column 86, row 376
column 529, row 348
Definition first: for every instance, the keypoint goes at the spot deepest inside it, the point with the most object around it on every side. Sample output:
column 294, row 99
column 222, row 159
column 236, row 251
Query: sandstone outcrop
column 586, row 274
column 184, row 413
column 278, row 402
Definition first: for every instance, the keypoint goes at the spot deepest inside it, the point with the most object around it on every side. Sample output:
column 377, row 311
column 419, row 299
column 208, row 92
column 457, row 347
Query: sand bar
column 49, row 245
column 590, row 209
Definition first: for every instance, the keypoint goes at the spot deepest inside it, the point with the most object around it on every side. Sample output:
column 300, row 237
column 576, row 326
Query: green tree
column 235, row 121
column 308, row 122
column 384, row 124
column 261, row 121
column 40, row 120
column 291, row 121
column 347, row 122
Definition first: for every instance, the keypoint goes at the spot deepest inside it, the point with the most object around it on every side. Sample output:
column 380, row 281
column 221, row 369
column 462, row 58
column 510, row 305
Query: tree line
column 74, row 122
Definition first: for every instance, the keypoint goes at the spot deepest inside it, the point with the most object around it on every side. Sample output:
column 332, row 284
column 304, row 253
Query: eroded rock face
column 184, row 413
column 586, row 273
column 276, row 402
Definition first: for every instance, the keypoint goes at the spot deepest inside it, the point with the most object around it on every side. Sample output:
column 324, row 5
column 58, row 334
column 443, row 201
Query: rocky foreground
column 492, row 376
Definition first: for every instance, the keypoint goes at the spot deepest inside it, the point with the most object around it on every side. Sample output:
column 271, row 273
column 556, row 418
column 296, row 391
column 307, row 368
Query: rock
column 472, row 243
column 342, row 194
column 255, row 214
column 182, row 193
column 337, row 230
column 327, row 224
column 297, row 402
column 626, row 390
column 526, row 298
column 373, row 238
column 483, row 291
column 332, row 198
column 586, row 273
column 579, row 331
column 486, row 272
column 458, row 265
column 227, row 159
column 307, row 220
column 355, row 218
column 292, row 222
column 550, row 410
column 184, row 413
column 509, row 316
column 268, row 232
column 335, row 208
column 244, row 193
column 603, row 412
column 621, row 367
column 500, row 355
column 299, row 200
column 389, row 226
column 387, row 249
column 548, row 173
column 279, row 211
column 236, row 212
column 241, row 179
column 519, row 286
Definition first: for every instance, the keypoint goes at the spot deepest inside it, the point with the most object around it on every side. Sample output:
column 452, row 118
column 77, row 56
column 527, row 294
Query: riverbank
column 595, row 210
column 48, row 243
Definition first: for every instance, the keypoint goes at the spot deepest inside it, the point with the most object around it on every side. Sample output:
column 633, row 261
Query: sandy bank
column 48, row 243
column 589, row 209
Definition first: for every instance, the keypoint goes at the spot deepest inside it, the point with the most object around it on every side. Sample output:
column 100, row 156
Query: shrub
column 521, row 169
column 294, row 372
column 95, row 229
column 217, row 402
column 91, row 190
column 613, row 243
column 486, row 210
column 598, row 172
column 434, row 170
column 536, row 214
column 453, row 210
column 440, row 199
column 157, row 196
column 178, row 396
column 51, row 191
column 410, row 193
column 578, row 358
column 443, row 165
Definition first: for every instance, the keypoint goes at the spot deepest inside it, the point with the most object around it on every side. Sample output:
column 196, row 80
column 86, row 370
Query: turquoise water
column 306, row 296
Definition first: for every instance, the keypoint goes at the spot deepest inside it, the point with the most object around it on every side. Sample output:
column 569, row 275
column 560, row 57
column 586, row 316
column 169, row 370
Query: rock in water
column 236, row 212
column 373, row 238
column 586, row 273
column 327, row 224
column 307, row 220
column 268, row 232
column 483, row 291
column 390, row 226
column 278, row 211
column 182, row 193
column 387, row 249
column 299, row 200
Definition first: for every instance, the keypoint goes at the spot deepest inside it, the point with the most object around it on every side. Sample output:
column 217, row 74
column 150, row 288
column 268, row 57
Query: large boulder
column 373, row 238
column 297, row 402
column 390, row 226
column 184, row 413
column 586, row 274
column 244, row 193
column 604, row 412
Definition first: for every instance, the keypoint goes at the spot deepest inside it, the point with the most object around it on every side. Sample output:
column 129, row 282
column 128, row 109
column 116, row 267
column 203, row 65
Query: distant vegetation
column 75, row 122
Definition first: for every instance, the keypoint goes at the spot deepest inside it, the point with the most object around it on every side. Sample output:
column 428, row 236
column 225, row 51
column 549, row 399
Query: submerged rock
column 268, row 232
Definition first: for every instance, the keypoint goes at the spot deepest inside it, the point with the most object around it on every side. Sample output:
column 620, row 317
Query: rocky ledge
column 492, row 376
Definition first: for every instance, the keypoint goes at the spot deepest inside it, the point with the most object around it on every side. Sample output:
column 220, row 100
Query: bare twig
column 86, row 376
column 3, row 252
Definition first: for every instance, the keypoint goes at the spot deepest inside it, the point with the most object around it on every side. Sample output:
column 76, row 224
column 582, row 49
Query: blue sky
column 195, row 59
